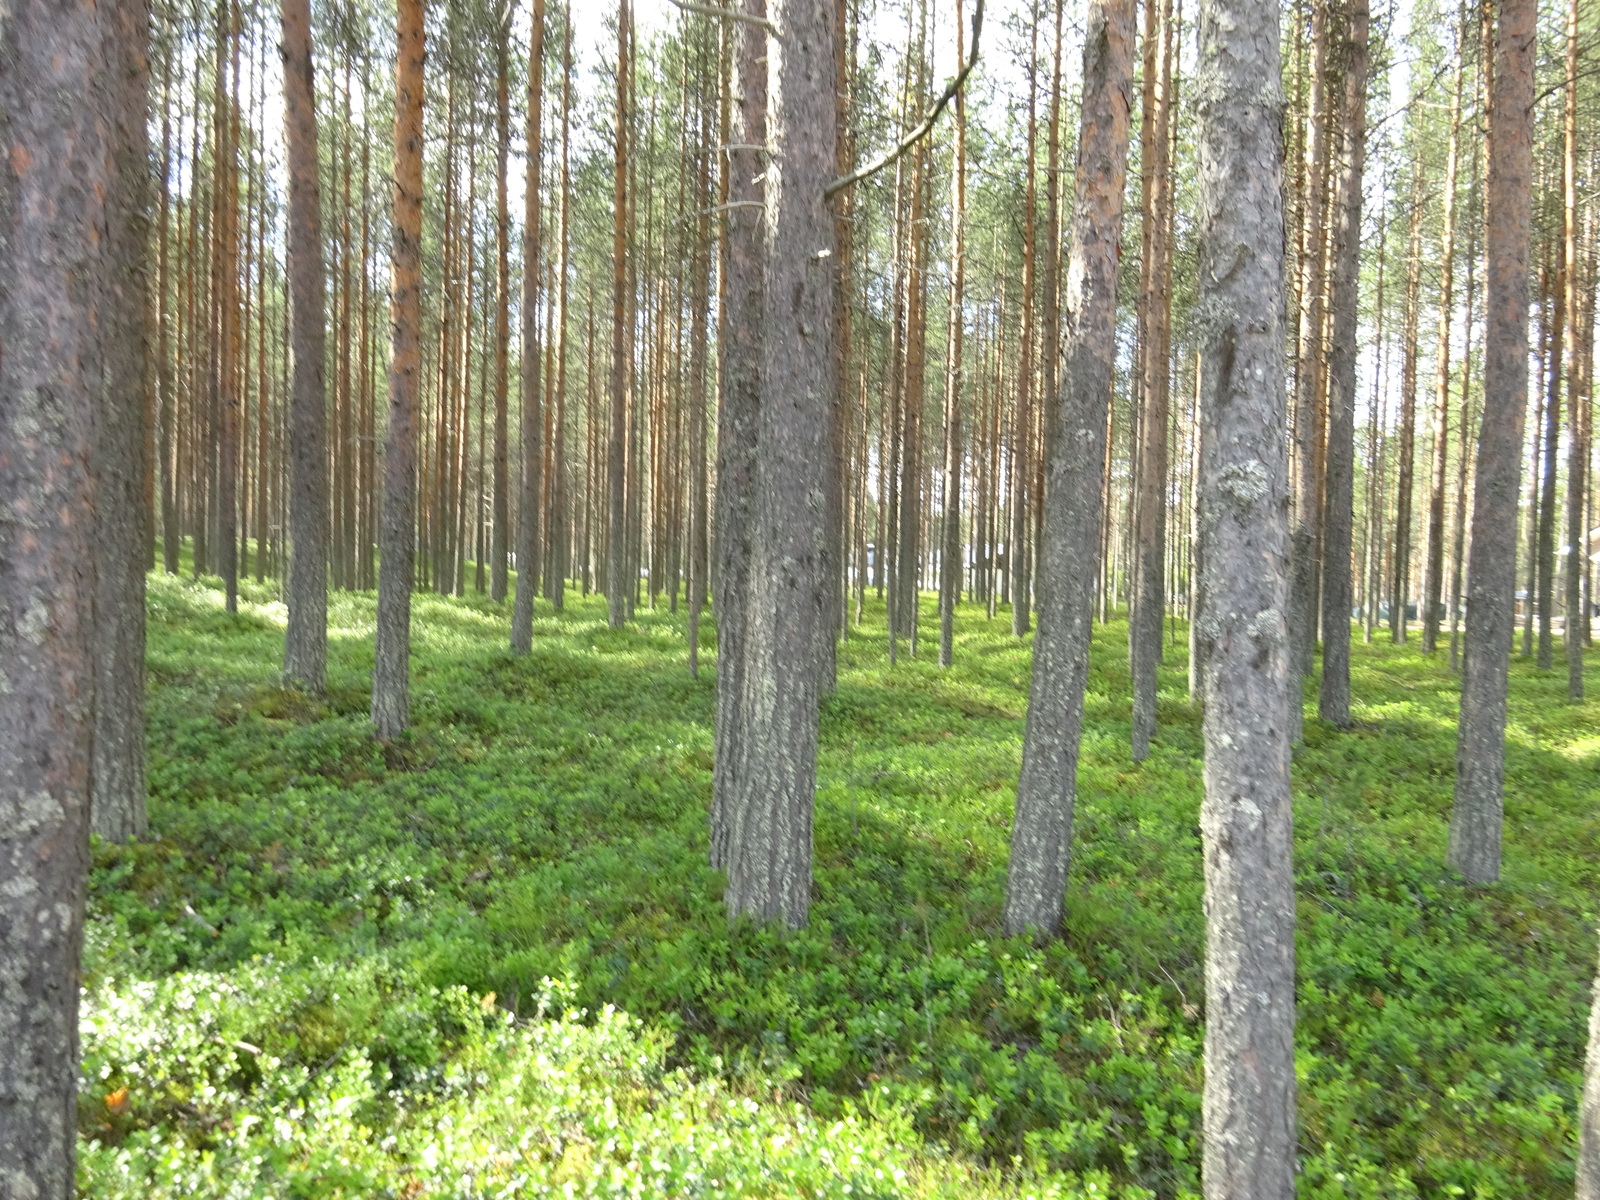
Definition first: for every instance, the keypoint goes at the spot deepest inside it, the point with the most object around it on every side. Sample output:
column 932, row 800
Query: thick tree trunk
column 118, row 778
column 1245, row 817
column 1041, row 833
column 1475, row 819
column 391, row 670
column 529, row 543
column 64, row 81
column 1148, row 605
column 769, row 870
column 739, row 357
column 305, row 648
column 1333, row 702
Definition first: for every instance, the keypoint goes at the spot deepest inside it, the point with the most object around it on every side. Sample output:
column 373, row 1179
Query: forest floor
column 339, row 971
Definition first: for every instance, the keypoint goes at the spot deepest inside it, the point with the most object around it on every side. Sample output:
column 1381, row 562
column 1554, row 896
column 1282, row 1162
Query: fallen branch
column 921, row 131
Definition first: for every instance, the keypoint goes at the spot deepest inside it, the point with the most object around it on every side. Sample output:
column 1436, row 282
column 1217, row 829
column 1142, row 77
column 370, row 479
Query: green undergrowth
column 490, row 959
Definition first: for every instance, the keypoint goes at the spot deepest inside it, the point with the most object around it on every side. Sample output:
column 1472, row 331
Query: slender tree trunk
column 390, row 676
column 1400, row 583
column 1245, row 817
column 1475, row 820
column 950, row 550
column 1433, row 559
column 225, row 271
column 1150, row 515
column 1307, row 533
column 1018, row 567
column 1577, row 401
column 1041, row 833
column 1333, row 704
column 529, row 543
column 66, row 71
column 500, row 518
column 305, row 650
column 769, row 875
column 1555, row 306
column 620, row 589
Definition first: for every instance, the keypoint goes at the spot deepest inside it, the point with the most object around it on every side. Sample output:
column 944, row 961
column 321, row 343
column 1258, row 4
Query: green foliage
column 547, row 820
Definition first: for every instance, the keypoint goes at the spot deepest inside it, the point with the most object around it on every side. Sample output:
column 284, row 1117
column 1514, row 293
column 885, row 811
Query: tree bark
column 619, row 589
column 529, row 542
column 769, row 876
column 391, row 670
column 1433, row 559
column 1400, row 583
column 64, row 71
column 950, row 548
column 1577, row 402
column 1245, row 817
column 1476, row 816
column 1155, row 304
column 305, row 649
column 739, row 325
column 1333, row 702
column 1041, row 833
column 500, row 502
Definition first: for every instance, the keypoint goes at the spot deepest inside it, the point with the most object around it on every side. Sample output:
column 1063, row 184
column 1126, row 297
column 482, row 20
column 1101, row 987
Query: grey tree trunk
column 118, row 780
column 769, row 869
column 501, row 485
column 1245, row 817
column 62, row 81
column 739, row 357
column 305, row 647
column 1575, row 623
column 620, row 588
column 1041, row 833
column 1433, row 559
column 1308, row 370
column 1476, row 816
column 1589, row 1111
column 391, row 708
column 1338, row 522
column 530, row 547
column 1555, row 315
column 1148, row 598
column 950, row 547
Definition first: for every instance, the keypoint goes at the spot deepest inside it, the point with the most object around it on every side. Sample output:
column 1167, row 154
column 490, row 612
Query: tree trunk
column 500, row 520
column 305, row 649
column 66, row 74
column 1577, row 402
column 769, row 876
column 1308, row 369
column 1589, row 1103
column 1433, row 559
column 1041, row 833
column 1400, row 583
column 950, row 548
column 1245, row 817
column 739, row 415
column 619, row 589
column 1155, row 305
column 390, row 675
column 529, row 543
column 1333, row 704
column 1475, row 819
